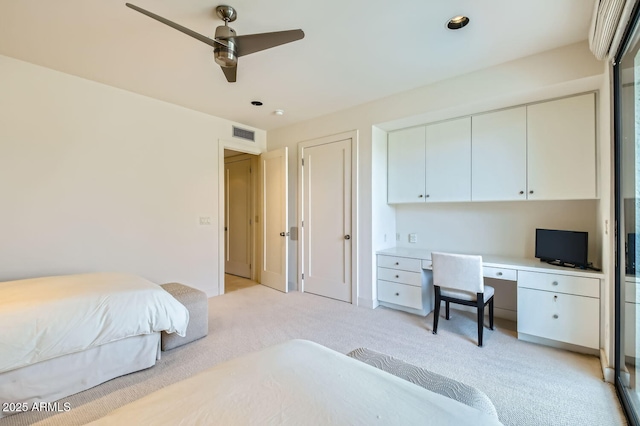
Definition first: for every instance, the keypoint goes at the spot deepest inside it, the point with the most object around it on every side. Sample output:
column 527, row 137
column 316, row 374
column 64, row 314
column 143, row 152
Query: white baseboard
column 367, row 303
column 556, row 344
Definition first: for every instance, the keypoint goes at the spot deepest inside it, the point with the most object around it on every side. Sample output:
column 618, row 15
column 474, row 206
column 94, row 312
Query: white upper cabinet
column 499, row 153
column 543, row 151
column 561, row 149
column 406, row 171
column 448, row 161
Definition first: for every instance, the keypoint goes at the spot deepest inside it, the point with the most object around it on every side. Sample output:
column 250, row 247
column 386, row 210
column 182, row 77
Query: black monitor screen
column 562, row 246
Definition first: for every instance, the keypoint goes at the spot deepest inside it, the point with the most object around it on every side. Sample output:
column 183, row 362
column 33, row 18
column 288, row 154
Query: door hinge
column 303, row 276
column 249, row 266
column 303, row 161
column 302, row 224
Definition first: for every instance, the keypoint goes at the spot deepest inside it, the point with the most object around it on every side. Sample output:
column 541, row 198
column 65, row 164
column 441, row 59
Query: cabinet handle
column 427, row 195
column 499, row 274
column 397, row 263
column 554, row 283
column 521, row 192
column 397, row 294
column 420, row 196
column 531, row 192
column 397, row 276
column 555, row 298
column 555, row 316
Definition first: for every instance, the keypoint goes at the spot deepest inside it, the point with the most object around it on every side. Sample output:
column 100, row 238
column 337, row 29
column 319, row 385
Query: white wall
column 560, row 72
column 496, row 228
column 93, row 178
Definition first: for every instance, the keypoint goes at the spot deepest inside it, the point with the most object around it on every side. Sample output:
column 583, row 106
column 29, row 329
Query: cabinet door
column 561, row 149
column 405, row 163
column 499, row 155
column 561, row 317
column 448, row 161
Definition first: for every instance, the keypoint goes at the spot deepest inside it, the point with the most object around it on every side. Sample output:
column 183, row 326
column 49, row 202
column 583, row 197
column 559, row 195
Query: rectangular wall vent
column 249, row 135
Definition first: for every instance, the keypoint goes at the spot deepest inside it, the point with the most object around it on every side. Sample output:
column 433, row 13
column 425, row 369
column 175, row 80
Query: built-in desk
column 553, row 302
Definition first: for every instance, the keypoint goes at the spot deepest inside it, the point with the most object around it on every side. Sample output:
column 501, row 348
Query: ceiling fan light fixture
column 457, row 22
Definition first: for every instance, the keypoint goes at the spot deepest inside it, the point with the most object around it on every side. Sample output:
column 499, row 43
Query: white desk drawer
column 500, row 273
column 558, row 316
column 400, row 294
column 399, row 276
column 568, row 284
column 394, row 262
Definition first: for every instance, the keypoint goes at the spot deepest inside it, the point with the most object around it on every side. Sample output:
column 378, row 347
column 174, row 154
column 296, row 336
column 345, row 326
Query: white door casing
column 275, row 233
column 327, row 217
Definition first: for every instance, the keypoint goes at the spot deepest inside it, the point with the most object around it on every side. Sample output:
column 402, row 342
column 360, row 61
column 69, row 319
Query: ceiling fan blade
column 251, row 43
column 211, row 42
column 230, row 73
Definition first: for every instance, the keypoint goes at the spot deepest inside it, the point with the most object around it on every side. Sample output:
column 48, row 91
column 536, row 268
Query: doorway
column 240, row 201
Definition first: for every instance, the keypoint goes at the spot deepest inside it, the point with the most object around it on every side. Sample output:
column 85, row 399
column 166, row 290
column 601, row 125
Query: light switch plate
column 413, row 238
column 205, row 220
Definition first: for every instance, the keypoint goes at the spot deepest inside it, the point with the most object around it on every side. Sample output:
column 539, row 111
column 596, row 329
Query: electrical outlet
column 413, row 238
column 205, row 220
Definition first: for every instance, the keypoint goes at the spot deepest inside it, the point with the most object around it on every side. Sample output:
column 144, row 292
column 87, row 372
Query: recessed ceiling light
column 457, row 22
column 256, row 103
column 279, row 112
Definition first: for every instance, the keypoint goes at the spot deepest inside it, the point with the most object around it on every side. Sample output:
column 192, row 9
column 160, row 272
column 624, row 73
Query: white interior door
column 326, row 217
column 238, row 218
column 275, row 235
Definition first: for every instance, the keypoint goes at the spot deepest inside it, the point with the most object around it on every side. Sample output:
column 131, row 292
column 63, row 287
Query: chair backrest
column 458, row 271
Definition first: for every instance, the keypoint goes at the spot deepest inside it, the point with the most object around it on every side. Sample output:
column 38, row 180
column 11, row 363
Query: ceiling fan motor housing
column 225, row 56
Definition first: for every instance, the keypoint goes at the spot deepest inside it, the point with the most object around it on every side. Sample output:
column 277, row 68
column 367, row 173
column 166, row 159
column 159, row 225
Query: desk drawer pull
column 554, row 283
column 397, row 263
column 397, row 294
column 555, row 316
column 499, row 274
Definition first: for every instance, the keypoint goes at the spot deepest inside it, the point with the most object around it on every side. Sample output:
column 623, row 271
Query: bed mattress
column 297, row 382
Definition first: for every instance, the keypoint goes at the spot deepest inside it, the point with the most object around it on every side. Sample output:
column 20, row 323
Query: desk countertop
column 521, row 264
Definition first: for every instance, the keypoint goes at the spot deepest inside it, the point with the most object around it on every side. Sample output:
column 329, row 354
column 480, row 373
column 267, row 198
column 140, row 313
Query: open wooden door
column 275, row 224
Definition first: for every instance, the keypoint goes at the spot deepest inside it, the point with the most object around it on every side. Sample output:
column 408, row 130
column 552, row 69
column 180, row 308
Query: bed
column 297, row 382
column 61, row 335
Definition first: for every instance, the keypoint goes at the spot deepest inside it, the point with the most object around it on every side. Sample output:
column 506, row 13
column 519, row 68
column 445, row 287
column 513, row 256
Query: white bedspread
column 43, row 318
column 295, row 383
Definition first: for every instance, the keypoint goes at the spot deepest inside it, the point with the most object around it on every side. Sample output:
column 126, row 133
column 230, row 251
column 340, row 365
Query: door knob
column 282, row 234
column 347, row 237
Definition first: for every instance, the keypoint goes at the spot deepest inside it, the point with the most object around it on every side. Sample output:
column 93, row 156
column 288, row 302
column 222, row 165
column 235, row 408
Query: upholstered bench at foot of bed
column 427, row 379
column 197, row 304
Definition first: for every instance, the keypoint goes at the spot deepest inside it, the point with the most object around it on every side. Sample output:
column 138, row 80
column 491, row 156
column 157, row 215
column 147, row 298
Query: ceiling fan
column 227, row 46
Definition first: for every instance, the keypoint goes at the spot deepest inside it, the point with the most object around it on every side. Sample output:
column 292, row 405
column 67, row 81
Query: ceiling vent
column 245, row 134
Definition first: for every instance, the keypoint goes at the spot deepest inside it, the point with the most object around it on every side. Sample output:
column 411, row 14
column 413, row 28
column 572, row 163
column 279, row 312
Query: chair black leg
column 436, row 309
column 480, row 307
column 491, row 313
column 447, row 309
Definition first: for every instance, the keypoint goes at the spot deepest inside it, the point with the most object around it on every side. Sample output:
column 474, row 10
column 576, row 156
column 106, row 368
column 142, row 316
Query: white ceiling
column 354, row 51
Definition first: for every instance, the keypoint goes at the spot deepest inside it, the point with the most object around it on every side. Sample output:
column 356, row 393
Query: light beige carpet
column 529, row 384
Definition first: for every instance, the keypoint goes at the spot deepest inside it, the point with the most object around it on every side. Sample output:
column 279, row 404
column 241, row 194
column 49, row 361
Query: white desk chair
column 458, row 279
